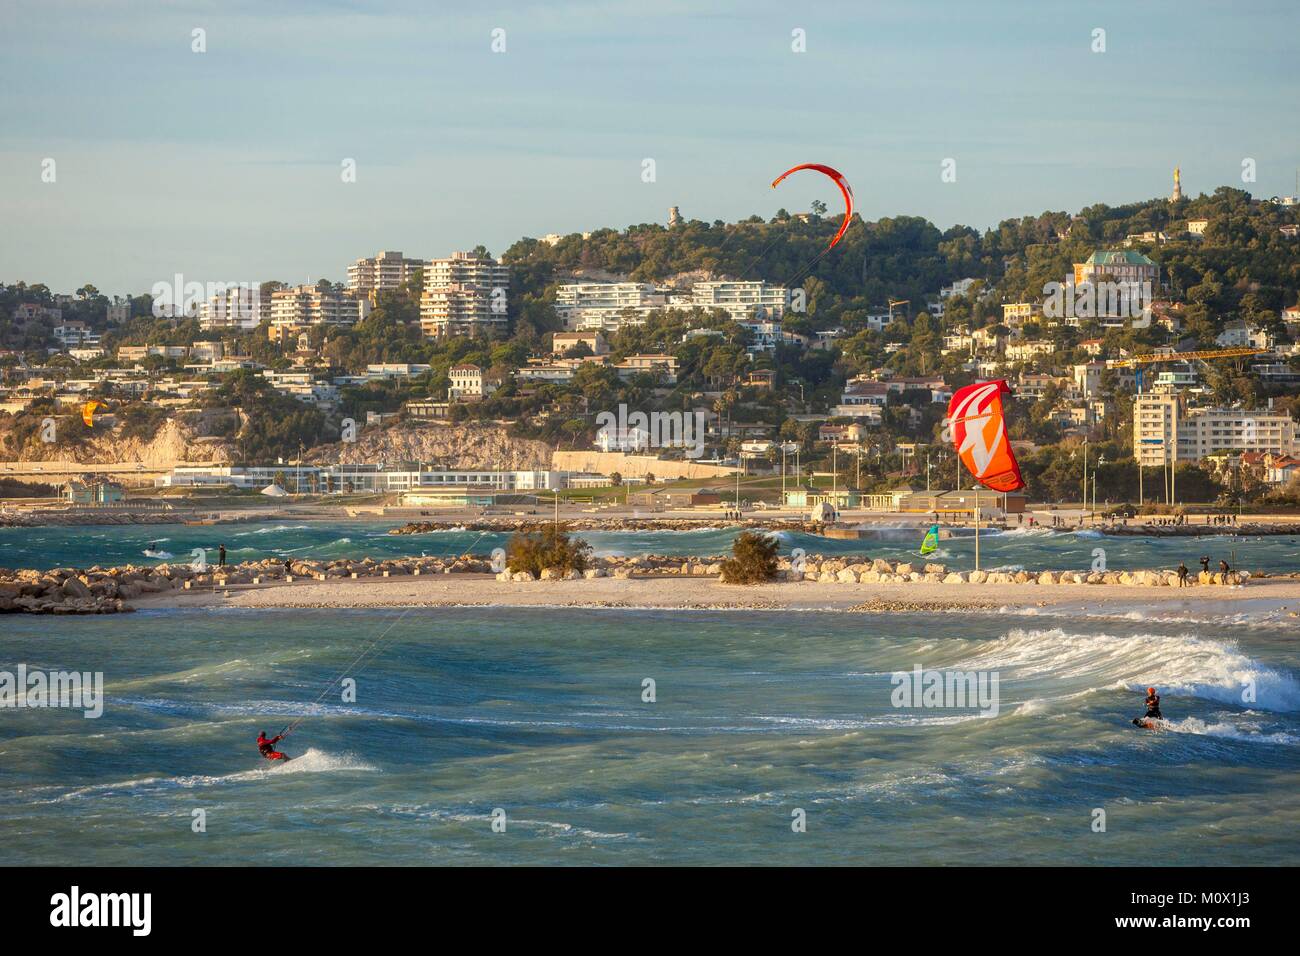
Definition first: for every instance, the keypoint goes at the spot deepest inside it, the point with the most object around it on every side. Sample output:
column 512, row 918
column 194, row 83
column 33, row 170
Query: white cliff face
column 184, row 437
column 465, row 446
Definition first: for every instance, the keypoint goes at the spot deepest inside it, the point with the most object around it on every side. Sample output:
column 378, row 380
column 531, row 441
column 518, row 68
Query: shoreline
column 1275, row 595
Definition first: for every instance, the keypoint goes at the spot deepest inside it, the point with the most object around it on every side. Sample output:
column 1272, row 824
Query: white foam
column 313, row 761
column 1248, row 732
column 1180, row 665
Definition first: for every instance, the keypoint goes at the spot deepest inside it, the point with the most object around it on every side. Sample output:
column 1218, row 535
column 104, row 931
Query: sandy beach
column 1260, row 595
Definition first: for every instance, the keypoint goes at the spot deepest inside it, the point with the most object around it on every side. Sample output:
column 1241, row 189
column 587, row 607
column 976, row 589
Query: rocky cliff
column 184, row 437
column 468, row 446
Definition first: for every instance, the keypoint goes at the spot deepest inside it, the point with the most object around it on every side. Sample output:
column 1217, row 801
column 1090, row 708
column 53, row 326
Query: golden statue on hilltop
column 1178, row 186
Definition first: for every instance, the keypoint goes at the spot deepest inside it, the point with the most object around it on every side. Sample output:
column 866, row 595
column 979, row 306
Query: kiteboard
column 1150, row 723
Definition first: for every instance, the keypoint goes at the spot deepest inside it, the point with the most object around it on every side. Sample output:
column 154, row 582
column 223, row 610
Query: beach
column 468, row 589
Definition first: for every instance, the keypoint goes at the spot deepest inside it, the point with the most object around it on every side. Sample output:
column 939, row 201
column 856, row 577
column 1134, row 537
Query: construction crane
column 894, row 302
column 1157, row 357
column 1137, row 362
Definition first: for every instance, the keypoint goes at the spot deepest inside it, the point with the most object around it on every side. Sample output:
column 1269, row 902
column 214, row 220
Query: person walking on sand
column 1182, row 574
column 221, row 556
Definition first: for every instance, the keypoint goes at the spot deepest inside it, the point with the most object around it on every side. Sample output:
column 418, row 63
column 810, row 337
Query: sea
column 558, row 736
column 1035, row 548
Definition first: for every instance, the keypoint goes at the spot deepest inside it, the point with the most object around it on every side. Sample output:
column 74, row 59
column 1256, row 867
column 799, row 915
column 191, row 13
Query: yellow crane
column 894, row 302
column 1157, row 357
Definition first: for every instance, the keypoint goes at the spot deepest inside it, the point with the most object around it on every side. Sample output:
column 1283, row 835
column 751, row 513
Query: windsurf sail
column 979, row 431
column 930, row 543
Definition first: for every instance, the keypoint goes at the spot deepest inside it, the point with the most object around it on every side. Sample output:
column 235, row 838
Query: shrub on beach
column 752, row 561
column 548, row 548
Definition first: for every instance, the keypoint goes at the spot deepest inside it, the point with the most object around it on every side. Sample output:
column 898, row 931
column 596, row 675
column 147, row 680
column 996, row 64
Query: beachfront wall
column 633, row 466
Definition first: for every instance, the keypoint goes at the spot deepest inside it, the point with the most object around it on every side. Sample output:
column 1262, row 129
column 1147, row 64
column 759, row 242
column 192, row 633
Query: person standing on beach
column 1205, row 563
column 1182, row 574
column 221, row 556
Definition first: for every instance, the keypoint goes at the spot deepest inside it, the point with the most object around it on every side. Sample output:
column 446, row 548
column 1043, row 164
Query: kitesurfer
column 266, row 746
column 1153, row 708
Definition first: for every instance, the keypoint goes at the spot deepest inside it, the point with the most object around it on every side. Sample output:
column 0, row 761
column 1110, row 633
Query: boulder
column 75, row 588
column 847, row 576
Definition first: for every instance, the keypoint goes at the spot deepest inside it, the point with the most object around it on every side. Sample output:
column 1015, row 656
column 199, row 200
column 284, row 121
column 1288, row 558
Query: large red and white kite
column 980, row 433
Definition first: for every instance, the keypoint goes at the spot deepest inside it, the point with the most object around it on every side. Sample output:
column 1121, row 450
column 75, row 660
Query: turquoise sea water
column 540, row 713
column 1038, row 548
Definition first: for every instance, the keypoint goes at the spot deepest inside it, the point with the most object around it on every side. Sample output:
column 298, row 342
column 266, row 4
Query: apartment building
column 742, row 300
column 606, row 306
column 302, row 306
column 238, row 307
column 1163, row 426
column 382, row 272
column 464, row 295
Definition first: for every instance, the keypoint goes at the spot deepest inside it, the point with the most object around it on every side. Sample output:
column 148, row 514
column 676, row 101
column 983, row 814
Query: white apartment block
column 606, row 306
column 742, row 300
column 235, row 308
column 307, row 305
column 382, row 273
column 464, row 295
column 1163, row 426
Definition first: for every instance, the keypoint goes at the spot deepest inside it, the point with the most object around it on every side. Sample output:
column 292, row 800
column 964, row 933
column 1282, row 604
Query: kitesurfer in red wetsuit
column 267, row 746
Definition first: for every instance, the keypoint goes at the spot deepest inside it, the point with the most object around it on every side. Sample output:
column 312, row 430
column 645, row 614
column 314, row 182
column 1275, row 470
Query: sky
column 227, row 165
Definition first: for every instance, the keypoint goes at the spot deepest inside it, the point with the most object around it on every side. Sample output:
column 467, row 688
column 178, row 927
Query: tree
column 752, row 561
column 547, row 549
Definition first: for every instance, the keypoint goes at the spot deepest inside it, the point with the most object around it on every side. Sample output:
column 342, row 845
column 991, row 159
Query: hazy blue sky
column 225, row 165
